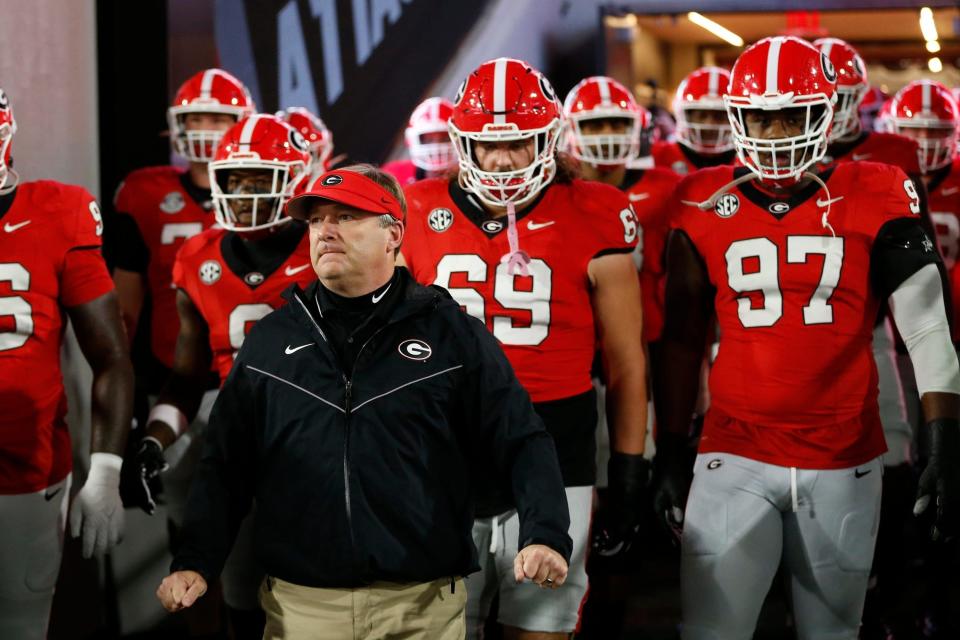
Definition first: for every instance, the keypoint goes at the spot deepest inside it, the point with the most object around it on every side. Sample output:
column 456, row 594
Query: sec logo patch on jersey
column 173, row 202
column 210, row 271
column 727, row 205
column 440, row 219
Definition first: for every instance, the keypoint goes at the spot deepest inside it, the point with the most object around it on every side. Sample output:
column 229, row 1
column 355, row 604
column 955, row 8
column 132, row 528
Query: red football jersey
column 49, row 259
column 873, row 146
column 230, row 298
column 543, row 320
column 649, row 196
column 794, row 383
column 668, row 155
column 167, row 215
column 943, row 201
column 403, row 170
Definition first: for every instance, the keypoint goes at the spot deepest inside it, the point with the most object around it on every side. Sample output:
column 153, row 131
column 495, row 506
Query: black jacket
column 365, row 475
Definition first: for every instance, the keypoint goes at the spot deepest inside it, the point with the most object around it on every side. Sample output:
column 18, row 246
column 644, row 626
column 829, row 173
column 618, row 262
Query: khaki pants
column 382, row 611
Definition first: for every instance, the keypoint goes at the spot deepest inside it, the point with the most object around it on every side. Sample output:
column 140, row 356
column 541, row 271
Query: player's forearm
column 627, row 406
column 112, row 405
column 676, row 373
column 176, row 407
column 937, row 405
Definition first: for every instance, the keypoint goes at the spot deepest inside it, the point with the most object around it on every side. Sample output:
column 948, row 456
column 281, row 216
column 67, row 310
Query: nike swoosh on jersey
column 290, row 349
column 49, row 495
column 292, row 271
column 949, row 191
column 533, row 226
column 636, row 197
column 825, row 203
column 10, row 228
column 860, row 156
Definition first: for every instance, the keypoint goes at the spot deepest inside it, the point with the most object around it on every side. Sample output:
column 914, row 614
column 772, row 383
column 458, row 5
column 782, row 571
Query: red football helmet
column 8, row 127
column 314, row 131
column 852, row 85
column 703, row 90
column 210, row 91
column 506, row 100
column 431, row 118
column 927, row 111
column 603, row 98
column 777, row 74
column 274, row 158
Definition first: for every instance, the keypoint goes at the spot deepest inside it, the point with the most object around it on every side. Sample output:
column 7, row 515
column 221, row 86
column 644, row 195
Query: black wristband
column 943, row 438
column 628, row 473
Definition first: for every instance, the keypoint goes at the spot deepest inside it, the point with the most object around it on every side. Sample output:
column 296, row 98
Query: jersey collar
column 630, row 178
column 198, row 194
column 254, row 261
column 775, row 206
column 479, row 216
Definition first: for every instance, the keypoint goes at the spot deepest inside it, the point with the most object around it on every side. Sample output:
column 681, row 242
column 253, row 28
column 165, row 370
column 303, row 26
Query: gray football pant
column 744, row 517
column 31, row 545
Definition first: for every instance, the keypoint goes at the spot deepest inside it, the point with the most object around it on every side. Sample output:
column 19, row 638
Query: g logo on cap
column 332, row 180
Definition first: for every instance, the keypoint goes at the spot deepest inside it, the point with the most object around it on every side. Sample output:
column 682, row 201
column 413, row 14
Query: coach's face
column 349, row 246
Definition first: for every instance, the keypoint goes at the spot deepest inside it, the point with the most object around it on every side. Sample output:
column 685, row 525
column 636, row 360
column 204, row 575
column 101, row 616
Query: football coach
column 357, row 417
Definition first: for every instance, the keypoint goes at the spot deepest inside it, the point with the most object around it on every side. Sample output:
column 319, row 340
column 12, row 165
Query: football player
column 51, row 269
column 315, row 132
column 157, row 208
column 428, row 143
column 604, row 126
column 795, row 265
column 927, row 111
column 703, row 131
column 227, row 278
column 545, row 261
column 850, row 142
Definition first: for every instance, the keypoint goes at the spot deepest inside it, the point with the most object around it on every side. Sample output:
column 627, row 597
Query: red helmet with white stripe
column 852, row 85
column 703, row 90
column 210, row 91
column 8, row 127
column 260, row 162
column 506, row 100
column 927, row 111
column 428, row 136
column 776, row 74
column 600, row 98
column 314, row 131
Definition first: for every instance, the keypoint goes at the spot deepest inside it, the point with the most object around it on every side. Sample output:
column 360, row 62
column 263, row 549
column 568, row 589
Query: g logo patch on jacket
column 414, row 349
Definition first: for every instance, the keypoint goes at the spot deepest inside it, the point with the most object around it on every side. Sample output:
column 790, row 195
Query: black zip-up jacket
column 364, row 474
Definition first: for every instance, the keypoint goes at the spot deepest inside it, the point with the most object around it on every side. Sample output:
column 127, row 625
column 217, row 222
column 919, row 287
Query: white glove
column 97, row 509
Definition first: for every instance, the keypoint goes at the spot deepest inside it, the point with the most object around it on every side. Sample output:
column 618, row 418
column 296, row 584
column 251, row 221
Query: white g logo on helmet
column 828, row 70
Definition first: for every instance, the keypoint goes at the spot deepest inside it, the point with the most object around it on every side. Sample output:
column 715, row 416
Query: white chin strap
column 10, row 181
column 825, row 204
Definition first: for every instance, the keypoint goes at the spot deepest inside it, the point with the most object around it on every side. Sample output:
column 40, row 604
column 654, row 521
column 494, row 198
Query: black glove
column 619, row 517
column 672, row 475
column 140, row 476
column 940, row 480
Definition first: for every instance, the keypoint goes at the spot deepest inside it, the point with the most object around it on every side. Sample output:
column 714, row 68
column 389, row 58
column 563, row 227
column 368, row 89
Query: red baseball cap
column 346, row 187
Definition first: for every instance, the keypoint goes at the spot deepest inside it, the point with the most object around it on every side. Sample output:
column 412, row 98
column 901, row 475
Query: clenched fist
column 540, row 564
column 181, row 589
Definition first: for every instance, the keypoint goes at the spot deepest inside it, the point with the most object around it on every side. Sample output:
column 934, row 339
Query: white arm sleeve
column 918, row 311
